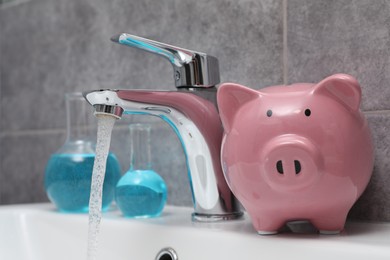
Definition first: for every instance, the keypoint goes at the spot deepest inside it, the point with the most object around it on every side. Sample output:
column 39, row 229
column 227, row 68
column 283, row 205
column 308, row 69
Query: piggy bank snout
column 291, row 162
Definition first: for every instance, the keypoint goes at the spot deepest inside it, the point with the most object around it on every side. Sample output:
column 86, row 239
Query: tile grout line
column 373, row 112
column 31, row 132
column 285, row 45
column 2, row 179
column 123, row 127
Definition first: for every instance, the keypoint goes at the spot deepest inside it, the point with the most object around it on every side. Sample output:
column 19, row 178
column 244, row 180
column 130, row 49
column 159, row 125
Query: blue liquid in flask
column 68, row 181
column 141, row 194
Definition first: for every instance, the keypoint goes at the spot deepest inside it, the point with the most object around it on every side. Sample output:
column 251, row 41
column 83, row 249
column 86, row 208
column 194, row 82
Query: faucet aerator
column 108, row 110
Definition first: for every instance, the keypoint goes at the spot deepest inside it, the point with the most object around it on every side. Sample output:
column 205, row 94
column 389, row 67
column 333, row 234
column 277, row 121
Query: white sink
column 38, row 232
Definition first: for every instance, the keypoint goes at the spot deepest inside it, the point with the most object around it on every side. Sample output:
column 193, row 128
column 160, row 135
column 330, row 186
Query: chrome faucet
column 192, row 113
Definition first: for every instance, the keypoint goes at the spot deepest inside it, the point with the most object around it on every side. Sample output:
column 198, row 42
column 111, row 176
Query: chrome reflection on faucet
column 192, row 113
column 191, row 69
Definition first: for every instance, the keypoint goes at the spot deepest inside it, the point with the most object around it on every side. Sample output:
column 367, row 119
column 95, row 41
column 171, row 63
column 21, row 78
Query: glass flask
column 69, row 170
column 141, row 192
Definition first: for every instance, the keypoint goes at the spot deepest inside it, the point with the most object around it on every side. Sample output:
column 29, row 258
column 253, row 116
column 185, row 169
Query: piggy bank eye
column 269, row 112
column 307, row 112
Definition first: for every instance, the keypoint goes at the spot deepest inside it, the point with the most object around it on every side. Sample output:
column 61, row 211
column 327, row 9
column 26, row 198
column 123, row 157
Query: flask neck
column 80, row 122
column 140, row 152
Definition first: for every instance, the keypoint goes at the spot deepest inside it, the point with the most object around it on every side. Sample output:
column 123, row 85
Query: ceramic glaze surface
column 299, row 152
column 39, row 232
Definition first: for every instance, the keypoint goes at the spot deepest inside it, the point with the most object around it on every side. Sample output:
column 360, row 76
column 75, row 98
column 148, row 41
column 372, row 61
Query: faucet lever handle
column 191, row 68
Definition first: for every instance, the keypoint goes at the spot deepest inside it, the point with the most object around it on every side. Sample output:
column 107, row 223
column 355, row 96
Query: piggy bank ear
column 343, row 88
column 230, row 98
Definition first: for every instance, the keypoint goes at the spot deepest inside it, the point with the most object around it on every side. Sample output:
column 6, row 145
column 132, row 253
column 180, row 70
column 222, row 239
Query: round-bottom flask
column 69, row 170
column 141, row 192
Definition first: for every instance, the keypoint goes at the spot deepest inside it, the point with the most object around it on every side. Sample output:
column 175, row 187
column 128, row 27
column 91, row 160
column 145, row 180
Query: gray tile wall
column 48, row 48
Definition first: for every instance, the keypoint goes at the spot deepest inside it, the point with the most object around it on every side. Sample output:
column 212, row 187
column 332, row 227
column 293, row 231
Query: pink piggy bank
column 299, row 152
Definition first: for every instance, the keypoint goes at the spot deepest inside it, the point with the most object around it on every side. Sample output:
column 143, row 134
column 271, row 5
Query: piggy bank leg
column 266, row 224
column 330, row 224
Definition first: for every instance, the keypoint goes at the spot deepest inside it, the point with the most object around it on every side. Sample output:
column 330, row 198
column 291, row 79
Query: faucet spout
column 192, row 113
column 196, row 122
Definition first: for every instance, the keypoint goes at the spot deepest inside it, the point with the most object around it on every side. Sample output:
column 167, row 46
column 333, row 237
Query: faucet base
column 196, row 217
